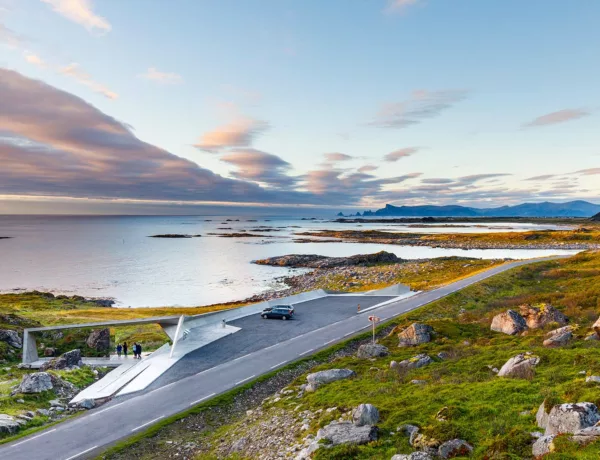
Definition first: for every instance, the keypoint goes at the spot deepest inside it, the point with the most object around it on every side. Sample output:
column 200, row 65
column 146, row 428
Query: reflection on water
column 112, row 256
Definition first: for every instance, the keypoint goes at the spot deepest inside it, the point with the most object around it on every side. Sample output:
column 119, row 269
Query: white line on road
column 146, row 424
column 30, row 439
column 202, row 399
column 241, row 357
column 332, row 340
column 349, row 333
column 81, row 453
column 306, row 352
column 93, row 414
column 246, row 379
column 277, row 365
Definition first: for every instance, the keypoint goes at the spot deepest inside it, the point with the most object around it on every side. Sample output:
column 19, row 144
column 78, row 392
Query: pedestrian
column 139, row 351
column 119, row 350
column 125, row 349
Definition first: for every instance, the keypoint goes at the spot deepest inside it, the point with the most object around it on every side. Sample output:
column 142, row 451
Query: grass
column 494, row 414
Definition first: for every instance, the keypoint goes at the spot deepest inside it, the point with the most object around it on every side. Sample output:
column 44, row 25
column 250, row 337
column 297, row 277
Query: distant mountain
column 596, row 218
column 546, row 209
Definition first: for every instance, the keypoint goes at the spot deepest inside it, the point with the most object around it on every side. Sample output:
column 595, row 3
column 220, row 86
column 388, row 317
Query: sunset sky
column 108, row 105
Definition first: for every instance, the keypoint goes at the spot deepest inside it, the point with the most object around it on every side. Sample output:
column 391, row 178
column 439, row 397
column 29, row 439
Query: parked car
column 279, row 312
column 288, row 307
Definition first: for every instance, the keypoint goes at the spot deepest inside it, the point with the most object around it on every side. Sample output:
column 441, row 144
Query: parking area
column 258, row 333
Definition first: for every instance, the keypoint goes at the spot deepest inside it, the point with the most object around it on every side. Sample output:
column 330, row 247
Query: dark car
column 282, row 312
column 285, row 307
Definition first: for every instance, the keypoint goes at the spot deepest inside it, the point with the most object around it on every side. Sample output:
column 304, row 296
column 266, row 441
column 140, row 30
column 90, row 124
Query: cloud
column 557, row 117
column 395, row 6
column 262, row 167
column 336, row 156
column 438, row 180
column 9, row 38
column 34, row 59
column 75, row 72
column 542, row 177
column 400, row 153
column 239, row 133
column 367, row 168
column 421, row 106
column 167, row 78
column 468, row 180
column 80, row 12
column 588, row 172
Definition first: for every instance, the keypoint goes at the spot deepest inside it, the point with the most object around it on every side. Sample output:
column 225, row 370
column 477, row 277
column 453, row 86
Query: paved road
column 87, row 435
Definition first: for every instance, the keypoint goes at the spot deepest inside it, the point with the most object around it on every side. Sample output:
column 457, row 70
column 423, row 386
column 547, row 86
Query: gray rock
column 455, row 448
column 409, row 430
column 592, row 336
column 541, row 416
column 317, row 379
column 371, row 350
column 509, row 322
column 536, row 434
column 65, row 361
column 540, row 316
column 87, row 403
column 558, row 337
column 8, row 424
column 569, row 418
column 587, row 435
column 365, row 414
column 35, row 383
column 347, row 433
column 415, row 362
column 418, row 382
column 543, row 446
column 413, row 456
column 11, row 337
column 443, row 355
column 415, row 334
column 42, row 412
column 593, row 378
column 519, row 366
column 99, row 340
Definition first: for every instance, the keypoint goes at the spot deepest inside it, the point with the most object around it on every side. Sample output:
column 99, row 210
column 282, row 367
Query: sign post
column 374, row 320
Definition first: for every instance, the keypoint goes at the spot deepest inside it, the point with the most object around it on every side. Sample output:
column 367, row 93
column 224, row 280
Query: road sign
column 374, row 319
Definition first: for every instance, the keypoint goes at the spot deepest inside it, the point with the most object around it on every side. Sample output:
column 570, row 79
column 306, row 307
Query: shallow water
column 113, row 256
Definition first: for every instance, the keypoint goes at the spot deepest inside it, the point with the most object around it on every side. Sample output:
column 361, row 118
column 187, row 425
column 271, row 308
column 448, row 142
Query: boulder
column 413, row 456
column 371, row 350
column 35, row 383
column 11, row 337
column 596, row 327
column 593, row 379
column 86, row 403
column 8, row 424
column 42, row 412
column 317, row 379
column 587, row 435
column 415, row 362
column 409, row 430
column 49, row 352
column 509, row 322
column 65, row 361
column 99, row 339
column 346, row 433
column 455, row 448
column 541, row 416
column 570, row 418
column 592, row 336
column 520, row 366
column 415, row 334
column 365, row 414
column 543, row 446
column 538, row 317
column 558, row 337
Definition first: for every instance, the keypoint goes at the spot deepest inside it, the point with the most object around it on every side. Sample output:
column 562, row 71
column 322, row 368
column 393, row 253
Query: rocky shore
column 318, row 261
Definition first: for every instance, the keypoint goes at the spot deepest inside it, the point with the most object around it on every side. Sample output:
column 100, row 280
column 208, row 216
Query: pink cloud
column 239, row 133
column 559, row 116
column 400, row 153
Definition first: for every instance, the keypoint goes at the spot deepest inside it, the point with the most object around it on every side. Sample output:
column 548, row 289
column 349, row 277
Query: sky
column 160, row 106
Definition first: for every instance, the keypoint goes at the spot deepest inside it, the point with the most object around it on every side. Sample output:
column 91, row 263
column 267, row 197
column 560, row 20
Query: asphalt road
column 86, row 436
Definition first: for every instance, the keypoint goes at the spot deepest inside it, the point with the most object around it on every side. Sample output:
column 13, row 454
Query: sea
column 114, row 256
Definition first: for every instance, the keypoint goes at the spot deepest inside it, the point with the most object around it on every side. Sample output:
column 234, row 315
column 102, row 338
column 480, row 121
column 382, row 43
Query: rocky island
column 318, row 261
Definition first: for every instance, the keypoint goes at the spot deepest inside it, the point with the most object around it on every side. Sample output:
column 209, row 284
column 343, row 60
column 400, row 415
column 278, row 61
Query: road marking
column 349, row 333
column 93, row 414
column 81, row 453
column 246, row 379
column 277, row 365
column 30, row 439
column 146, row 424
column 202, row 399
column 332, row 340
column 306, row 352
column 241, row 357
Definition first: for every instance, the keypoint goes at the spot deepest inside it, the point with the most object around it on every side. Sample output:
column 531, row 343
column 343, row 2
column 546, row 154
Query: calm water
column 113, row 256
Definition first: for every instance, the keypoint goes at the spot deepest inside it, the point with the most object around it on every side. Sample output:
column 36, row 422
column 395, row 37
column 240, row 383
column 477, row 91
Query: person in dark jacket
column 119, row 350
column 139, row 351
column 125, row 349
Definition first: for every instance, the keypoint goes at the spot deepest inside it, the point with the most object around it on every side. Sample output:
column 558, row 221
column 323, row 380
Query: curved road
column 86, row 436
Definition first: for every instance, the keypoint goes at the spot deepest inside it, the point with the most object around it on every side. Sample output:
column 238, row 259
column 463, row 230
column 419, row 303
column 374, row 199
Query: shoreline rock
column 318, row 261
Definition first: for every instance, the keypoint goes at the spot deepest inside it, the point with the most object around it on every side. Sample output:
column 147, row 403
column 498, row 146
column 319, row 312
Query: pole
column 373, row 332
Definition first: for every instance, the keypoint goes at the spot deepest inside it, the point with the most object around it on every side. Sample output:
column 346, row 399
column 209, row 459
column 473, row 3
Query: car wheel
column 284, row 318
column 264, row 316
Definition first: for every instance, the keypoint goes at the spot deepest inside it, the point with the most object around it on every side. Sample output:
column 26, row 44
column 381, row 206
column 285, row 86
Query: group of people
column 123, row 349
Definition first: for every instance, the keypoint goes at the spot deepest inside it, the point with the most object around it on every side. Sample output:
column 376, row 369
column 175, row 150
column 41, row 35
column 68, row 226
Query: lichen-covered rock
column 415, row 334
column 541, row 416
column 317, row 379
column 371, row 350
column 569, row 418
column 87, row 404
column 520, row 366
column 35, row 383
column 558, row 337
column 99, row 340
column 543, row 446
column 65, row 361
column 8, row 424
column 509, row 322
column 365, row 414
column 415, row 362
column 11, row 337
column 596, row 327
column 455, row 448
column 424, row 442
column 346, row 433
column 587, row 435
column 542, row 315
column 409, row 430
column 413, row 456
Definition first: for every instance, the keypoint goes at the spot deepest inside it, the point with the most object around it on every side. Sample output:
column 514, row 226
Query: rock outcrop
column 99, row 340
column 35, row 383
column 317, row 261
column 365, row 414
column 541, row 416
column 11, row 337
column 413, row 456
column 543, row 446
column 520, row 366
column 415, row 362
column 316, row 379
column 559, row 337
column 587, row 435
column 65, row 361
column 372, row 350
column 415, row 334
column 455, row 448
column 509, row 322
column 539, row 316
column 346, row 433
column 570, row 418
column 8, row 424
